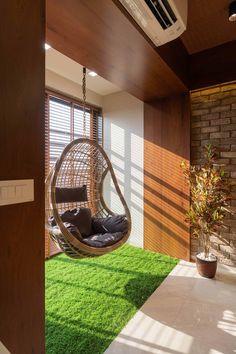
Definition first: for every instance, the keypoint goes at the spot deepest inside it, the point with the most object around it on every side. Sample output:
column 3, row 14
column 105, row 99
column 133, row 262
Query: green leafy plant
column 210, row 194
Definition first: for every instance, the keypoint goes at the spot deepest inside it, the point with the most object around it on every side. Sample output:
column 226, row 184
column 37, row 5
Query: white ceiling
column 64, row 66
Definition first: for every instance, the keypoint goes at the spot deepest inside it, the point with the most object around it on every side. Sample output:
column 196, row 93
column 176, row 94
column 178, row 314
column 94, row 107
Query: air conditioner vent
column 161, row 20
column 162, row 11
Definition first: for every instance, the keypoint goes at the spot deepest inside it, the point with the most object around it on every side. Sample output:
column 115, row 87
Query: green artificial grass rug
column 89, row 301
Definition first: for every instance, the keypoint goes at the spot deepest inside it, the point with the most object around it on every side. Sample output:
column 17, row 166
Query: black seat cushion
column 73, row 230
column 99, row 240
column 111, row 224
column 103, row 240
column 69, row 195
column 81, row 218
column 70, row 227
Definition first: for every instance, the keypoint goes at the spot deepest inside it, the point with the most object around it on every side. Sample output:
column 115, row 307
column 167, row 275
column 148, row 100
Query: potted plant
column 209, row 190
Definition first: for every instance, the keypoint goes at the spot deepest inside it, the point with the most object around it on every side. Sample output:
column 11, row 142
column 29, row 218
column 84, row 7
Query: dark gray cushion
column 73, row 230
column 70, row 227
column 69, row 195
column 111, row 224
column 103, row 240
column 81, row 218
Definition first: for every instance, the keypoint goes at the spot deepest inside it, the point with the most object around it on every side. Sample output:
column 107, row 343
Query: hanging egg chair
column 77, row 217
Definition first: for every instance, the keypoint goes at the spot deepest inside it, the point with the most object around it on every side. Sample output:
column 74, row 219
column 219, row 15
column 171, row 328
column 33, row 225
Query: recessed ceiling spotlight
column 47, row 46
column 232, row 11
column 92, row 73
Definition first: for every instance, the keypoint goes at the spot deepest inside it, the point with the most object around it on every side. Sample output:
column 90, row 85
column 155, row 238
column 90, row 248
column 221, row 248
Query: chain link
column 84, row 100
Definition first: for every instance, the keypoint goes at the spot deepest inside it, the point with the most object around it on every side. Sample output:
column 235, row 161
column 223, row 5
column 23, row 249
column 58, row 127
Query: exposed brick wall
column 214, row 121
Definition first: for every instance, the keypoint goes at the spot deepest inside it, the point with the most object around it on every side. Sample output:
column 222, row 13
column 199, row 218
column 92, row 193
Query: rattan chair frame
column 83, row 161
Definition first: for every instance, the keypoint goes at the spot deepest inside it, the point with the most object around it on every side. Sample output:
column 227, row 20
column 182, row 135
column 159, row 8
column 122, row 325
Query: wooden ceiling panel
column 208, row 25
column 213, row 66
column 97, row 35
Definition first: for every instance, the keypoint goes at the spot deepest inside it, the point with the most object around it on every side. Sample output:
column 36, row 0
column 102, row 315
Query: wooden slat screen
column 64, row 123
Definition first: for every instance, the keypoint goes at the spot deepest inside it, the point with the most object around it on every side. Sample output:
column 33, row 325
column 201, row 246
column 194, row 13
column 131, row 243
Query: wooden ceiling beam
column 213, row 66
column 176, row 57
column 97, row 35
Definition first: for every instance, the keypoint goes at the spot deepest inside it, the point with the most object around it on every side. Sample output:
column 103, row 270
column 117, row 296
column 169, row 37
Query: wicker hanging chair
column 82, row 163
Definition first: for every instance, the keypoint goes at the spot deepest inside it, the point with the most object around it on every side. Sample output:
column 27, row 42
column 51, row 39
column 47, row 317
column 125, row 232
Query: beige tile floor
column 186, row 314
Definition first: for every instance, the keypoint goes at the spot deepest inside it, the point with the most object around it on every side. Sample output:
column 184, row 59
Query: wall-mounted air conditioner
column 161, row 20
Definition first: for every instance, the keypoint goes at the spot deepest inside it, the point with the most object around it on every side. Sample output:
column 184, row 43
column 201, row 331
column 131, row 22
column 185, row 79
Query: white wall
column 68, row 87
column 123, row 141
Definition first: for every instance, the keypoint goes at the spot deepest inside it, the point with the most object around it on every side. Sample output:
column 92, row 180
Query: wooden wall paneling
column 22, row 157
column 213, row 66
column 98, row 35
column 166, row 195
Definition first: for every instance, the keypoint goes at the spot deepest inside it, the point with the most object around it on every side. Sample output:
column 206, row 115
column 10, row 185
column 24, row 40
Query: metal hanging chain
column 84, row 100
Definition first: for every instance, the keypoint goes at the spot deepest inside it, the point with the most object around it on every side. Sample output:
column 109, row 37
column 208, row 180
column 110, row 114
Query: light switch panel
column 16, row 191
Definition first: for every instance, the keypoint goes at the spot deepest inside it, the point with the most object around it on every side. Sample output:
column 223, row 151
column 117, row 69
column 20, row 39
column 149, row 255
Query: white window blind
column 60, row 133
column 66, row 123
column 79, row 122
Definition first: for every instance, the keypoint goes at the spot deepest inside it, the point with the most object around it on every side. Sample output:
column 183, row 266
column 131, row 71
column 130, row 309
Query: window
column 64, row 123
